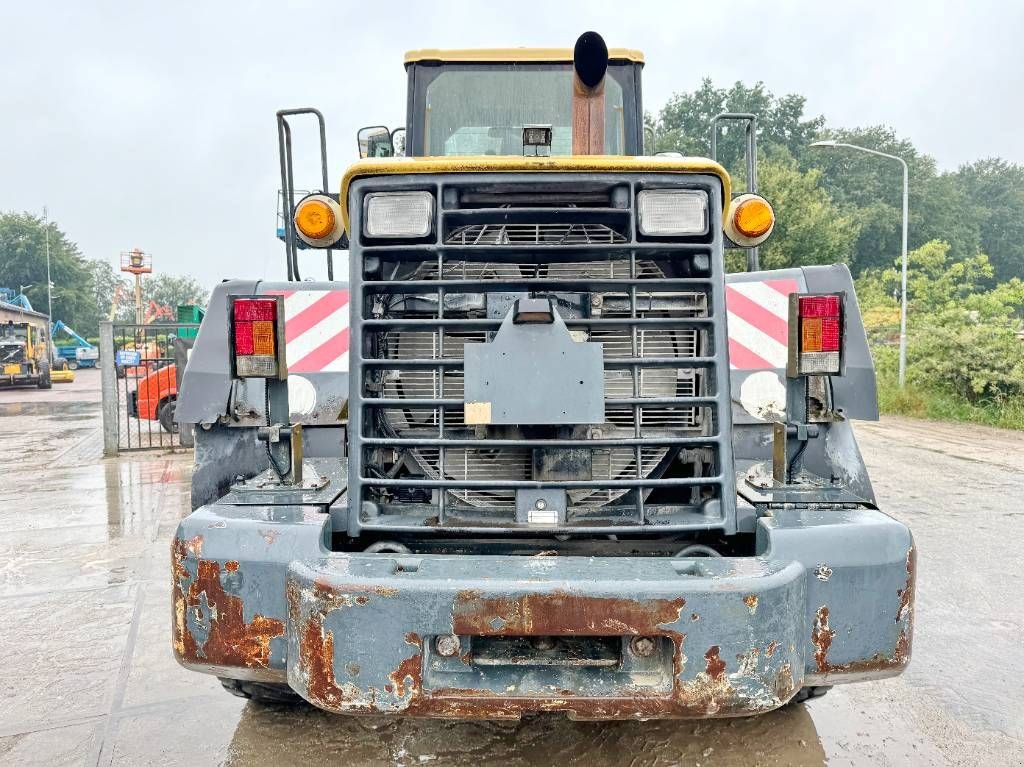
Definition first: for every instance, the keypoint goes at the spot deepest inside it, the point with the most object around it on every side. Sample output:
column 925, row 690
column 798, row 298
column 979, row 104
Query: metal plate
column 534, row 374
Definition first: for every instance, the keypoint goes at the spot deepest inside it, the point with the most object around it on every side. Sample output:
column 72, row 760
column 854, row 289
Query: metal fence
column 141, row 369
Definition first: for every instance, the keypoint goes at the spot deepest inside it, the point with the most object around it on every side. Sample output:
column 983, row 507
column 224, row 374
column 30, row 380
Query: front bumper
column 258, row 595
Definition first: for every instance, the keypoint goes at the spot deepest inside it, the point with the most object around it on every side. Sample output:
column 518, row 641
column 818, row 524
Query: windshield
column 481, row 109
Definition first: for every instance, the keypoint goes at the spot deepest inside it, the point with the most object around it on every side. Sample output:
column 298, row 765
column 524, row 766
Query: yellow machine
column 26, row 357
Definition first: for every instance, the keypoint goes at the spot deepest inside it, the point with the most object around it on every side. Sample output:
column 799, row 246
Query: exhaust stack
column 590, row 65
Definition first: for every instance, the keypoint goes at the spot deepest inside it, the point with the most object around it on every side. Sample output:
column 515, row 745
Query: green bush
column 965, row 360
column 980, row 361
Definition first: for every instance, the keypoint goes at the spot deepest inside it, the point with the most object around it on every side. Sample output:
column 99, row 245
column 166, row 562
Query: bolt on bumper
column 259, row 596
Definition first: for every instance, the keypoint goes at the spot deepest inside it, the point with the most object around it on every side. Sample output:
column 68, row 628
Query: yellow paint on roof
column 489, row 55
column 390, row 166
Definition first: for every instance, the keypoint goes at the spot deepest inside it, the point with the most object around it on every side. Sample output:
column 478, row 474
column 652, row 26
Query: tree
column 684, row 124
column 870, row 188
column 993, row 190
column 112, row 293
column 171, row 290
column 809, row 228
column 23, row 262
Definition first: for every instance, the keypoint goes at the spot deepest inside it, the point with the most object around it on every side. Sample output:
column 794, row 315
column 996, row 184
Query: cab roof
column 497, row 55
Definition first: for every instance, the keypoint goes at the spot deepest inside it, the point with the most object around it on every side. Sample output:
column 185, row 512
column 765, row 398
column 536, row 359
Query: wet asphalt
column 87, row 676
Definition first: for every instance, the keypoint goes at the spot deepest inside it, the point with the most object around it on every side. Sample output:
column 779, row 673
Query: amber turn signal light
column 318, row 220
column 749, row 220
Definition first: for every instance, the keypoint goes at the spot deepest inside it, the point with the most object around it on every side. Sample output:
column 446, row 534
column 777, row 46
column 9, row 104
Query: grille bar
column 525, row 284
column 653, row 440
column 480, row 323
column 509, row 484
column 618, row 401
column 611, row 362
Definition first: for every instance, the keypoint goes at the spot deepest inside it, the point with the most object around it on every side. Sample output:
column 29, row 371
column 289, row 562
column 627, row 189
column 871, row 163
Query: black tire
column 807, row 693
column 165, row 413
column 45, row 382
column 72, row 365
column 262, row 692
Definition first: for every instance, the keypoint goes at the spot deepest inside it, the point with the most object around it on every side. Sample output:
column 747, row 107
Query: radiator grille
column 534, row 234
column 658, row 462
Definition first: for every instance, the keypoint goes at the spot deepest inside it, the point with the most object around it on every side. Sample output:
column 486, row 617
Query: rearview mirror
column 375, row 141
column 398, row 141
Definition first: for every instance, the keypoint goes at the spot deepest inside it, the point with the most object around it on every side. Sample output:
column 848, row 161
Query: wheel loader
column 537, row 451
column 26, row 357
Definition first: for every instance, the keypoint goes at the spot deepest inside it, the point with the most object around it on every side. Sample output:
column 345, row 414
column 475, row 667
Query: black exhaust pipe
column 590, row 60
column 590, row 65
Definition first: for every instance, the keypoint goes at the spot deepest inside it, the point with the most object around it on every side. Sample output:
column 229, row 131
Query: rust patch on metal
column 316, row 653
column 710, row 692
column 769, row 651
column 715, row 664
column 410, row 669
column 228, row 640
column 385, row 591
column 822, row 635
column 561, row 612
column 784, row 686
column 269, row 535
column 750, row 600
column 362, row 599
column 316, row 649
column 821, row 638
column 180, row 550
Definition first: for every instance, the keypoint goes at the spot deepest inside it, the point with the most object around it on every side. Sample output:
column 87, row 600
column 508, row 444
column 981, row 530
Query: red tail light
column 257, row 335
column 816, row 334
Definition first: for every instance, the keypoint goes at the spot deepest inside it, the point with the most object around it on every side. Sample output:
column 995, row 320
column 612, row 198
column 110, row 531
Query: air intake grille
column 534, row 234
column 658, row 462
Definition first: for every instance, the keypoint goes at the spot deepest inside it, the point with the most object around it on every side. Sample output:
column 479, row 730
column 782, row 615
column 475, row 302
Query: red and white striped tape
column 758, row 323
column 317, row 332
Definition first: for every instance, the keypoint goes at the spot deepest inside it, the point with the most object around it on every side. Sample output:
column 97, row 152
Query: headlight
column 399, row 214
column 672, row 211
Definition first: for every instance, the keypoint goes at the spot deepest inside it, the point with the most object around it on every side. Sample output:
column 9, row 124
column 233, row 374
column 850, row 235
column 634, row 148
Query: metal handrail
column 284, row 147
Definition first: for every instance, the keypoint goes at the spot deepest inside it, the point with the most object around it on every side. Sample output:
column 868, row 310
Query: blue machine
column 81, row 354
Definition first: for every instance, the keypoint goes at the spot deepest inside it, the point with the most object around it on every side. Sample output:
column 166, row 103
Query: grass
column 937, row 405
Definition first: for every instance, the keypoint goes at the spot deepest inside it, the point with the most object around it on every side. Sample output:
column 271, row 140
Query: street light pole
column 903, row 258
column 49, row 285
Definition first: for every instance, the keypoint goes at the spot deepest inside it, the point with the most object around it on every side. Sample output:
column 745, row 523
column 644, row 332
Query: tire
column 262, row 692
column 165, row 413
column 72, row 365
column 807, row 693
column 45, row 382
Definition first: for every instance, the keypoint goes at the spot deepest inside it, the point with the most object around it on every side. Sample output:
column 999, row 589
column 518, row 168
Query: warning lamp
column 749, row 220
column 816, row 334
column 257, row 336
column 318, row 220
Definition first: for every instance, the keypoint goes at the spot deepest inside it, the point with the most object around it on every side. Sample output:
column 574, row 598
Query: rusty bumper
column 259, row 596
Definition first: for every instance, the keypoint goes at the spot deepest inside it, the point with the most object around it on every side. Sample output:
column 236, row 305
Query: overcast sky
column 152, row 124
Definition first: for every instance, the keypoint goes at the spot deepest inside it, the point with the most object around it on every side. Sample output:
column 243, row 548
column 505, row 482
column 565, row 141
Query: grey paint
column 758, row 614
column 536, row 374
